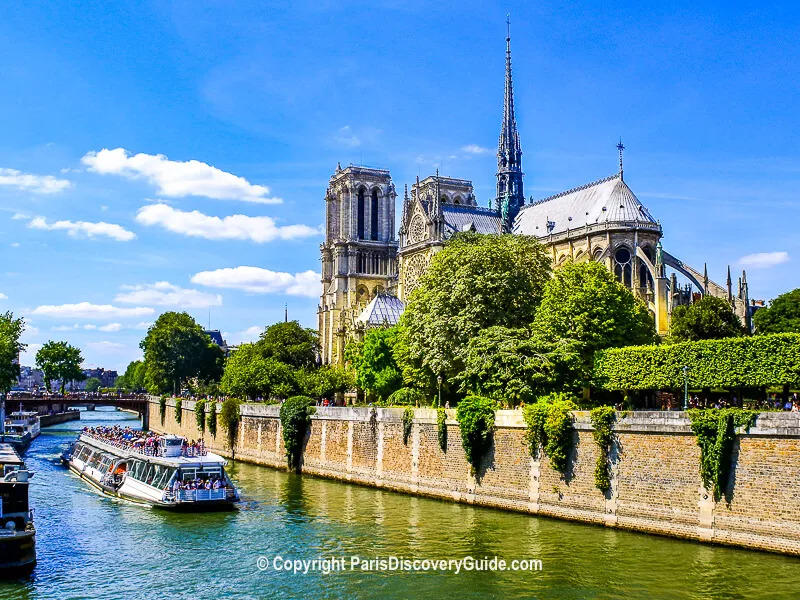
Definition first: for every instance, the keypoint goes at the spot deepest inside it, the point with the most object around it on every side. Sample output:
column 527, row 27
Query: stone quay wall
column 655, row 480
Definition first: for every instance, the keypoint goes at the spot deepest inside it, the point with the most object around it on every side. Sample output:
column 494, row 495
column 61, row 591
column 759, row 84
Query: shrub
column 408, row 421
column 763, row 360
column 162, row 408
column 200, row 415
column 178, row 410
column 405, row 396
column 295, row 416
column 211, row 420
column 715, row 431
column 475, row 416
column 603, row 418
column 441, row 428
column 549, row 426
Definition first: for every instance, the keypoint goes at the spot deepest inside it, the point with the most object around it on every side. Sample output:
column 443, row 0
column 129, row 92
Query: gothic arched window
column 360, row 210
column 373, row 229
column 457, row 200
column 622, row 265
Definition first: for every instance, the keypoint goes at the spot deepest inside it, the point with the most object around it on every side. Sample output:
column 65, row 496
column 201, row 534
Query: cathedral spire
column 510, row 197
column 621, row 149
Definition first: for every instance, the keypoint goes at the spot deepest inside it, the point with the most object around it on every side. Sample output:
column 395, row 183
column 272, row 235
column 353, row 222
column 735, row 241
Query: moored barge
column 17, row 533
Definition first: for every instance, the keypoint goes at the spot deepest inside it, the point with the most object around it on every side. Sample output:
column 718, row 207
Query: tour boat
column 17, row 533
column 29, row 421
column 167, row 474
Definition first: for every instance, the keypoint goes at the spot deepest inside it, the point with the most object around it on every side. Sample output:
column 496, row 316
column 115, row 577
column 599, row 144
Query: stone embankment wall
column 61, row 417
column 655, row 482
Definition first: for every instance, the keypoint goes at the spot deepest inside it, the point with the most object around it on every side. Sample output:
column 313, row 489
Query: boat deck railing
column 201, row 495
column 146, row 450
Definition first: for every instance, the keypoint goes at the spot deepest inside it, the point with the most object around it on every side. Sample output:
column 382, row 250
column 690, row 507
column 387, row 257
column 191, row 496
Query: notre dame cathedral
column 368, row 273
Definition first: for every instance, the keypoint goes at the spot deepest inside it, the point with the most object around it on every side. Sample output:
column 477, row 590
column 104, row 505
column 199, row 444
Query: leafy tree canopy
column 506, row 365
column 374, row 362
column 176, row 349
column 782, row 315
column 710, row 318
column 589, row 310
column 10, row 347
column 325, row 382
column 133, row 378
column 59, row 360
column 93, row 384
column 290, row 344
column 251, row 374
column 475, row 282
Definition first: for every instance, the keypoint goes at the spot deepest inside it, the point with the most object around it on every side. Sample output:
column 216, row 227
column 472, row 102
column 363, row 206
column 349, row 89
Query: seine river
column 90, row 546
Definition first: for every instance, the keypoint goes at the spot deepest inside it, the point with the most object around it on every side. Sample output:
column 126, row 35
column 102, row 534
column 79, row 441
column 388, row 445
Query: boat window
column 137, row 468
column 162, row 477
column 174, row 441
column 187, row 474
column 209, row 472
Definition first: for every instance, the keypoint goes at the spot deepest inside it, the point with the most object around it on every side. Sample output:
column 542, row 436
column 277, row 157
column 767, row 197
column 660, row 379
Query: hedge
column 751, row 362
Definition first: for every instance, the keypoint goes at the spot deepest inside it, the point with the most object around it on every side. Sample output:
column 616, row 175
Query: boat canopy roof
column 172, row 461
column 8, row 456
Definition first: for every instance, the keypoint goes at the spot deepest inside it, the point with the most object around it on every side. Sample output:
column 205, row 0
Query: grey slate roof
column 459, row 217
column 384, row 310
column 608, row 200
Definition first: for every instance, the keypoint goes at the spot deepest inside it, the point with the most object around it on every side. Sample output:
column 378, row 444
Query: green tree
column 10, row 347
column 290, row 344
column 134, row 377
column 230, row 415
column 93, row 384
column 506, row 365
column 374, row 362
column 325, row 382
column 710, row 318
column 782, row 315
column 177, row 349
column 250, row 374
column 585, row 309
column 475, row 282
column 59, row 360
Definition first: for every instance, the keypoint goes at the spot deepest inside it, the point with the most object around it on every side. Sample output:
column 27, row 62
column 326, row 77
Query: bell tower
column 359, row 255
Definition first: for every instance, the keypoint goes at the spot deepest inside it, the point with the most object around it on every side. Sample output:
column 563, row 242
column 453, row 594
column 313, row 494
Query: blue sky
column 104, row 222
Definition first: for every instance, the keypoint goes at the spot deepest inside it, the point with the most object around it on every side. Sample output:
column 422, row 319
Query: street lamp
column 685, row 388
column 439, row 381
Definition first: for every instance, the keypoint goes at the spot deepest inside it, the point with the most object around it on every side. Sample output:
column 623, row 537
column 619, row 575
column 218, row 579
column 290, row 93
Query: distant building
column 107, row 378
column 216, row 337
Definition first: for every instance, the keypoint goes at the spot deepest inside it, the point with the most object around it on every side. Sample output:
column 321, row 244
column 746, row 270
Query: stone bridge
column 46, row 404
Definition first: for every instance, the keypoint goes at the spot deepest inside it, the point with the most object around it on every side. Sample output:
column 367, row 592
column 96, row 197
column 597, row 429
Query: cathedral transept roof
column 384, row 310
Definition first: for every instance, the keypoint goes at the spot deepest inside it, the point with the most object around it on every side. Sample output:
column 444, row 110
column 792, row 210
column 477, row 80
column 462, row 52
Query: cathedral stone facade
column 367, row 274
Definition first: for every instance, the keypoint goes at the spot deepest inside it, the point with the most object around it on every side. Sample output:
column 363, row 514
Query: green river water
column 91, row 546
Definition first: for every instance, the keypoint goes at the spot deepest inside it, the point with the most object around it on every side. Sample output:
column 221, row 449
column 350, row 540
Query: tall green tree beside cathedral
column 475, row 282
column 710, row 318
column 782, row 315
column 10, row 347
column 585, row 309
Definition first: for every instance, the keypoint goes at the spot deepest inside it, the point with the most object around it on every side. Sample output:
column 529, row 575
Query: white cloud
column 88, row 327
column 86, row 310
column 15, row 244
column 104, row 346
column 177, row 179
column 142, row 325
column 475, row 149
column 234, row 227
column 251, row 334
column 28, row 357
column 38, row 184
column 346, row 137
column 90, row 230
column 261, row 281
column 764, row 260
column 3, row 297
column 163, row 293
column 18, row 216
